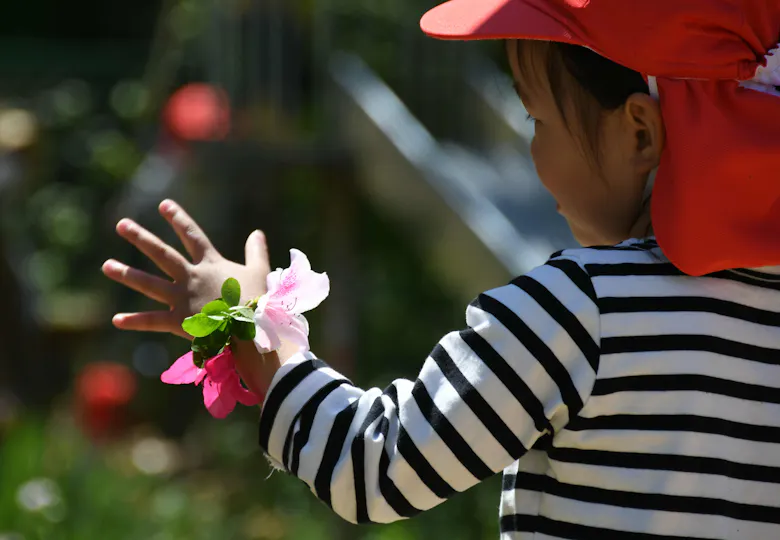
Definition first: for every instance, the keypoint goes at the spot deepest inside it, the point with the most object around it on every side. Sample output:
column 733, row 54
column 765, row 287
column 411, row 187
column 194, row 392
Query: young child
column 627, row 392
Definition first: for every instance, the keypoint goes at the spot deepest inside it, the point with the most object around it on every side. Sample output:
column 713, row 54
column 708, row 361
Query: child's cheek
column 536, row 155
column 545, row 167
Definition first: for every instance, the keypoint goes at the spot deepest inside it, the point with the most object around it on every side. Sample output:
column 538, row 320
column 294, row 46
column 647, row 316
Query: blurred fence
column 277, row 53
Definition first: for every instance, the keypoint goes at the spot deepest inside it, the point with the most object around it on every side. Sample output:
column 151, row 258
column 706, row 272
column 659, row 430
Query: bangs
column 544, row 68
column 533, row 60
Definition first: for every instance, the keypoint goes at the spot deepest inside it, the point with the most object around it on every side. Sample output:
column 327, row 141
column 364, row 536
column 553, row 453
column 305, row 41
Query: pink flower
column 222, row 386
column 290, row 292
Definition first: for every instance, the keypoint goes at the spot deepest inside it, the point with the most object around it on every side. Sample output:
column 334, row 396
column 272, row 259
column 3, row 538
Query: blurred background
column 399, row 164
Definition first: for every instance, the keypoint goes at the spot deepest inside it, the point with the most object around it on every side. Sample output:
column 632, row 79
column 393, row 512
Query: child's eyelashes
column 530, row 118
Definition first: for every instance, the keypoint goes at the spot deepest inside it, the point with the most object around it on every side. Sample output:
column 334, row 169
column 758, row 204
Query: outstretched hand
column 194, row 282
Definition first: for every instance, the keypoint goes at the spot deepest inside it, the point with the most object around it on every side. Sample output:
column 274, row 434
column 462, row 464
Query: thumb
column 256, row 250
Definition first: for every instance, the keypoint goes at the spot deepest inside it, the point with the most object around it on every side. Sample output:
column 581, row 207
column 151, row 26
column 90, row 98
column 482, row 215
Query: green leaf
column 231, row 292
column 217, row 317
column 202, row 346
column 243, row 314
column 215, row 307
column 244, row 330
column 198, row 360
column 199, row 325
column 212, row 345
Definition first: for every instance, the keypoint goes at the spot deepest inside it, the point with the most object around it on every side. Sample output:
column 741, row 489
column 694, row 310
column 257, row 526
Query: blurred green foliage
column 57, row 486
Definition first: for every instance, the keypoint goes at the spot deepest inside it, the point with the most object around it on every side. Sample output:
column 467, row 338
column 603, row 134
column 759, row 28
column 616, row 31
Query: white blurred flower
column 154, row 456
column 38, row 494
column 18, row 129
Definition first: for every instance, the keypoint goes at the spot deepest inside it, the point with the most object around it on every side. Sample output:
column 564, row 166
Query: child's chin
column 586, row 238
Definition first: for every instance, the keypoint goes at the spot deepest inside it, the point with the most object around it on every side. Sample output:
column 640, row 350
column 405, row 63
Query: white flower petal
column 299, row 288
column 272, row 281
column 295, row 331
column 266, row 335
column 311, row 291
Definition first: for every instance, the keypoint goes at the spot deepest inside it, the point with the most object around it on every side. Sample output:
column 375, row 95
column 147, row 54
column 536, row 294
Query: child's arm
column 523, row 366
column 258, row 370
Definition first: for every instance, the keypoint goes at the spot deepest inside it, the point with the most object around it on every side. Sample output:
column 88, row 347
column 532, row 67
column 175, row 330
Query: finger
column 189, row 232
column 153, row 287
column 164, row 256
column 149, row 321
column 256, row 250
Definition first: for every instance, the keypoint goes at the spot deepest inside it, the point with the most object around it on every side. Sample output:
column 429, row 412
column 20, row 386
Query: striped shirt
column 621, row 398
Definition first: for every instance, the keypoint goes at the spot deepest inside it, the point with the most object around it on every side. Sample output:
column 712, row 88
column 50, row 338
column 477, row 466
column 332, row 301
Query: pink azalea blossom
column 290, row 292
column 222, row 386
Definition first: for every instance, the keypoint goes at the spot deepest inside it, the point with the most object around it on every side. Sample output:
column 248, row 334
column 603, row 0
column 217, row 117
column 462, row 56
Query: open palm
column 194, row 282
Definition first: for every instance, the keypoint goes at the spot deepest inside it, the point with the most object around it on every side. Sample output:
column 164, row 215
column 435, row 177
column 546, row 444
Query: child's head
column 714, row 67
column 599, row 135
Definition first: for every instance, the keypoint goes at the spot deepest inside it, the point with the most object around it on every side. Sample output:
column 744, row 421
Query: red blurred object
column 103, row 391
column 198, row 112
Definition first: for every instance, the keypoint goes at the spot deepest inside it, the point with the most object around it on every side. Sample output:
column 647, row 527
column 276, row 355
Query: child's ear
column 643, row 114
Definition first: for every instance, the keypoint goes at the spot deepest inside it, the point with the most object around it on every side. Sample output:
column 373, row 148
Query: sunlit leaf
column 231, row 292
column 199, row 325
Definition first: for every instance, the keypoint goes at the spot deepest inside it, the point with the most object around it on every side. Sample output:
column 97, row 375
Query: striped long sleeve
column 525, row 363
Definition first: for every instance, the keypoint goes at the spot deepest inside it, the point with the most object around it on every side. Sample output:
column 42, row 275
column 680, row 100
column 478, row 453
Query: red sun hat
column 715, row 67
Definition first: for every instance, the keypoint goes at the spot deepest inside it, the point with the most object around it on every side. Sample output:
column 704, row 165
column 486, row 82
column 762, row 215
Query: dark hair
column 597, row 81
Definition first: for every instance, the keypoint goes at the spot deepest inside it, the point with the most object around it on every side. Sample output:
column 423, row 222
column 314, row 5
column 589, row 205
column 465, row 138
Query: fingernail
column 166, row 205
column 124, row 225
column 118, row 318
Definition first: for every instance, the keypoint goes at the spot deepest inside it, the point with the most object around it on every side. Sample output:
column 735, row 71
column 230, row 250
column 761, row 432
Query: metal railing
column 446, row 107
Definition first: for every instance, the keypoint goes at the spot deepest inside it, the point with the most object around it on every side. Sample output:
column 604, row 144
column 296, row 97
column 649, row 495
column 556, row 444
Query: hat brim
column 498, row 19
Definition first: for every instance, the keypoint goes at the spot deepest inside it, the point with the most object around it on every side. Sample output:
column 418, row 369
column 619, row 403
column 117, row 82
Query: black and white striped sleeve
column 523, row 366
